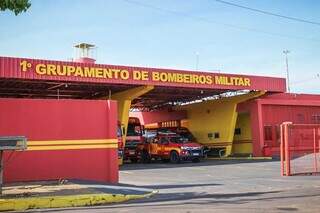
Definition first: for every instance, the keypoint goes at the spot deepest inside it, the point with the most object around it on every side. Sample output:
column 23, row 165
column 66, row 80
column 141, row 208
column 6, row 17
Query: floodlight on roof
column 84, row 52
column 85, row 46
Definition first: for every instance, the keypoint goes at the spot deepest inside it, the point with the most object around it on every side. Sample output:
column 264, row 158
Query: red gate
column 300, row 149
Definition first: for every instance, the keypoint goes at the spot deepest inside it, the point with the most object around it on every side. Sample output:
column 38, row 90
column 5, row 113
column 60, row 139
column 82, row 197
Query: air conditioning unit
column 13, row 143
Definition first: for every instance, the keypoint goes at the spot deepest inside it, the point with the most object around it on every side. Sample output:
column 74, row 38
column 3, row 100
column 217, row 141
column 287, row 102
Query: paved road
column 217, row 186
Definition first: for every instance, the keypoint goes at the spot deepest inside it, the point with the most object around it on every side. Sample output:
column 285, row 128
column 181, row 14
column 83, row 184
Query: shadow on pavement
column 160, row 165
column 174, row 186
column 184, row 196
column 191, row 198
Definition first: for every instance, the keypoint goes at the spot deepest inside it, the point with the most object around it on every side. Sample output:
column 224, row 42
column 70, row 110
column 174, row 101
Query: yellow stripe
column 73, row 144
column 71, row 147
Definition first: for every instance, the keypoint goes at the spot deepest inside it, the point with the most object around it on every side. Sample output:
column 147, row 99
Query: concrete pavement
column 217, row 186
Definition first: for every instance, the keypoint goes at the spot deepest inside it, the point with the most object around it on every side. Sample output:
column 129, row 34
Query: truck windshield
column 134, row 130
column 187, row 135
column 119, row 132
column 178, row 139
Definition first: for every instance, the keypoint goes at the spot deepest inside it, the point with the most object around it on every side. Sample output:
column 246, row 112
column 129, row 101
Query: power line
column 197, row 18
column 269, row 13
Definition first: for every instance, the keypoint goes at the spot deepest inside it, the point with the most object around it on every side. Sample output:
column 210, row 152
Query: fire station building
column 69, row 113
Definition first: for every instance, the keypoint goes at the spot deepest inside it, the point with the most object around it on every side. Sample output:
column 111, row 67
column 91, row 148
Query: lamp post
column 286, row 52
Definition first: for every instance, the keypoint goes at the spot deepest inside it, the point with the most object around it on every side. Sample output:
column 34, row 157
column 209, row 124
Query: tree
column 17, row 6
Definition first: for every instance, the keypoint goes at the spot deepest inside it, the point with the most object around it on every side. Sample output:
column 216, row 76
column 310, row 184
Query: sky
column 204, row 35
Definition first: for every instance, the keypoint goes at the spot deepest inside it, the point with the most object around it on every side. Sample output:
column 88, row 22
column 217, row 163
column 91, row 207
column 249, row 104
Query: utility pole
column 286, row 52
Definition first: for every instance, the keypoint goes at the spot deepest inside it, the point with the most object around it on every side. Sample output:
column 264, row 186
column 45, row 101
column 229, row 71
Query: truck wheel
column 145, row 157
column 196, row 160
column 174, row 157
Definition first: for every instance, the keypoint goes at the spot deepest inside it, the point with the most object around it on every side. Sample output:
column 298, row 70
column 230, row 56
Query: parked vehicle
column 170, row 146
column 134, row 138
column 120, row 140
column 185, row 133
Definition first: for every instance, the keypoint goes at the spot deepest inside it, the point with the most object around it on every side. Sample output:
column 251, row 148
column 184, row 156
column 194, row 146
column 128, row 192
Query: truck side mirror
column 123, row 130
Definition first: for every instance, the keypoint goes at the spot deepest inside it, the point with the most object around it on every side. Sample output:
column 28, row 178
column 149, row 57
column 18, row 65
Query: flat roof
column 37, row 78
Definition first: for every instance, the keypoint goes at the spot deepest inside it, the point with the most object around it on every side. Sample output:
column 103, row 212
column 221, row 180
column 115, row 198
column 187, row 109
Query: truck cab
column 134, row 139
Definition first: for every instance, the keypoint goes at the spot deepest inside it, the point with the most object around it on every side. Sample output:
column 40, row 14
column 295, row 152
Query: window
column 164, row 141
column 134, row 130
column 315, row 118
column 237, row 131
column 119, row 132
column 216, row 135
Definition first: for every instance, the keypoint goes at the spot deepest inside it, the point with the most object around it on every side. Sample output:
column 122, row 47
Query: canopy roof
column 35, row 78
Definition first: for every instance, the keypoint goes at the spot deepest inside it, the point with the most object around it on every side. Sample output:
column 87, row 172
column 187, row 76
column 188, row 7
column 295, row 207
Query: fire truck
column 120, row 141
column 170, row 146
column 134, row 139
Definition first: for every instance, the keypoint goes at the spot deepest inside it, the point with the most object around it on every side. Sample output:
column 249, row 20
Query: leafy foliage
column 17, row 6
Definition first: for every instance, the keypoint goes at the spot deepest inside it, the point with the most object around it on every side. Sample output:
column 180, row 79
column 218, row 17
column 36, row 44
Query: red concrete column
column 256, row 128
column 112, row 121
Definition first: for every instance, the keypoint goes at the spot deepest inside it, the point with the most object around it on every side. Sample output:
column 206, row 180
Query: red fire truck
column 134, row 139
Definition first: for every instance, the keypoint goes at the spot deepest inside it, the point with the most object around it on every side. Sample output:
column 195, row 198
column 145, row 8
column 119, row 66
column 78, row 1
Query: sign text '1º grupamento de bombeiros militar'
column 50, row 69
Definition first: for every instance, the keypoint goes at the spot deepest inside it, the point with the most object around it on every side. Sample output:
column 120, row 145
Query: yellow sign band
column 73, row 144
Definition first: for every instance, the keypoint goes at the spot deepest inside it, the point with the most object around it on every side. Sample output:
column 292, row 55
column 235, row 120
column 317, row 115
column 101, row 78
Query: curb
column 21, row 204
column 239, row 158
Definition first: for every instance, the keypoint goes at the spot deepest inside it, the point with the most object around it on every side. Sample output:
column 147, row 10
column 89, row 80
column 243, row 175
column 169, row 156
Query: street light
column 286, row 52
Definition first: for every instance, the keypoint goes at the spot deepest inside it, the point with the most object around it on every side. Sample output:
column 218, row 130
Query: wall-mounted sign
column 70, row 71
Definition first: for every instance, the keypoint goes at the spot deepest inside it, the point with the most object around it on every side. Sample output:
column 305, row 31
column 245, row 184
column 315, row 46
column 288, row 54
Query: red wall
column 276, row 114
column 272, row 110
column 41, row 120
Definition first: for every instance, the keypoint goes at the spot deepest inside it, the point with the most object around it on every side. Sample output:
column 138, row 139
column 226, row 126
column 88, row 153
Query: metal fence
column 300, row 149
